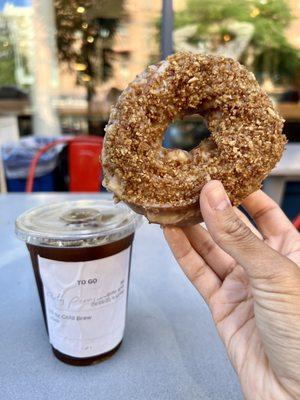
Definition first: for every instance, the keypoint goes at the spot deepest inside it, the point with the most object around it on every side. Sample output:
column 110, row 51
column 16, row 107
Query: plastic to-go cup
column 81, row 253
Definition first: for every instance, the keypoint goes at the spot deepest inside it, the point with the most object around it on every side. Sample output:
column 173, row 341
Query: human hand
column 250, row 280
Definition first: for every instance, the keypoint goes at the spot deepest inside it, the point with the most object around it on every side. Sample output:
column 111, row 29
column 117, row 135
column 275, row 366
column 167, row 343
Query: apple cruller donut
column 246, row 138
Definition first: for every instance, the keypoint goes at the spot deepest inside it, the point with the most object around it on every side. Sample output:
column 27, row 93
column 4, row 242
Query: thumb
column 235, row 238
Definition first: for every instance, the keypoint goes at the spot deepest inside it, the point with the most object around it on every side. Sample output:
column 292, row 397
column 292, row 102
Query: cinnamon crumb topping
column 245, row 144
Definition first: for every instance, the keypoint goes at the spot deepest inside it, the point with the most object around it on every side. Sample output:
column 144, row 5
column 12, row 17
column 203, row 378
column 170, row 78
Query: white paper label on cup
column 86, row 303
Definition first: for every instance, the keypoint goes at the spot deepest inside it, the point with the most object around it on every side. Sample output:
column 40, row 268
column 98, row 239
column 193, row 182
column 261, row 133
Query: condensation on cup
column 81, row 252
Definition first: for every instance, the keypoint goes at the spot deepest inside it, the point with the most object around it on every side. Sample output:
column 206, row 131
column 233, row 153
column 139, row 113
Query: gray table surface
column 170, row 351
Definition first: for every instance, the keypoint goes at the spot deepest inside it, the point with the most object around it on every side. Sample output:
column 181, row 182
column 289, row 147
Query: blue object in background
column 45, row 183
column 291, row 200
column 17, row 158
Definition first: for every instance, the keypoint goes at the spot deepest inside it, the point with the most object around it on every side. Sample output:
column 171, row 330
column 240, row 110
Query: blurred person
column 250, row 279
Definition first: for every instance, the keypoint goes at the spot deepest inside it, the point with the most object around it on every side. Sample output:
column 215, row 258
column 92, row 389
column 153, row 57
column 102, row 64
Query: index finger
column 193, row 265
column 267, row 215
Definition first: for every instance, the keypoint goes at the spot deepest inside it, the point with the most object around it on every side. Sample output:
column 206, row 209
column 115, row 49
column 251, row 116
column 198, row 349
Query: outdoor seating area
column 150, row 199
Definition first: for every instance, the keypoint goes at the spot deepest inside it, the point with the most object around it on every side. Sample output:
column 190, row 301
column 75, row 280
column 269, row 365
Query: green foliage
column 273, row 54
column 7, row 67
column 206, row 12
column 7, row 59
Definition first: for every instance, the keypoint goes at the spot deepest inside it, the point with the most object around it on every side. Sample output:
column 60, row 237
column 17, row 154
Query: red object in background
column 85, row 168
column 296, row 222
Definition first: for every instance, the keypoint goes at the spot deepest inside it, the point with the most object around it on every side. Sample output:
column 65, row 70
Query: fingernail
column 217, row 197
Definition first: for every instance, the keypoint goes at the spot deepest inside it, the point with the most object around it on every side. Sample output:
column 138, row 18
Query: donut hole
column 186, row 133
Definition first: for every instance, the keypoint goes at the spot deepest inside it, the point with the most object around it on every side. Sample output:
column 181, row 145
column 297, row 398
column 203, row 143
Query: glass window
column 70, row 60
column 63, row 64
column 102, row 46
column 264, row 35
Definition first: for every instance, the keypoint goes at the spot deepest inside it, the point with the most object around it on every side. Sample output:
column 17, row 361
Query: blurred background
column 64, row 63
